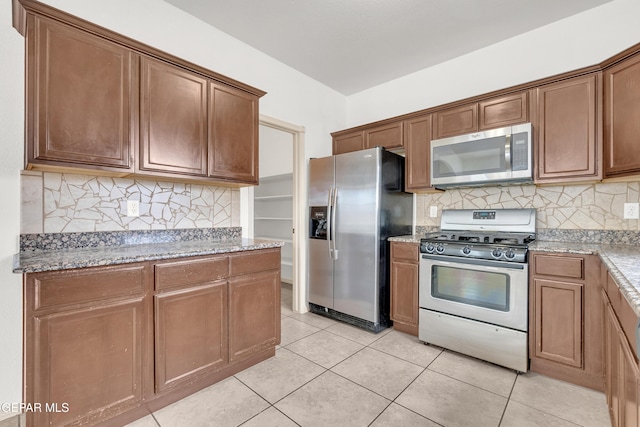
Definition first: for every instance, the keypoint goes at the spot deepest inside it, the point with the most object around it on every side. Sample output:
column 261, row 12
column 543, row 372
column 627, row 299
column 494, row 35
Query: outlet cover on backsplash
column 82, row 203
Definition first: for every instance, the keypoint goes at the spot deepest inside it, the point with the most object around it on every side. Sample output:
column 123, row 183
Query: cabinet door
column 558, row 320
column 254, row 313
column 568, row 139
column 455, row 121
column 613, row 366
column 404, row 286
column 90, row 359
column 348, row 142
column 621, row 112
column 417, row 139
column 80, row 91
column 404, row 292
column 173, row 120
column 503, row 111
column 233, row 134
column 87, row 342
column 388, row 136
column 191, row 333
column 630, row 399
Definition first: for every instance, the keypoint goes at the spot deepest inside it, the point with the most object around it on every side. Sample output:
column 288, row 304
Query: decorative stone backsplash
column 584, row 206
column 60, row 202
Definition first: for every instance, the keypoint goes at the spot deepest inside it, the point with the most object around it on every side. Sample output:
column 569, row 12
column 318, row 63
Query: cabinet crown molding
column 22, row 7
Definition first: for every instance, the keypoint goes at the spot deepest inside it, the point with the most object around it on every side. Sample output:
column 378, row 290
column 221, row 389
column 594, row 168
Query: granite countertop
column 99, row 253
column 622, row 260
column 409, row 238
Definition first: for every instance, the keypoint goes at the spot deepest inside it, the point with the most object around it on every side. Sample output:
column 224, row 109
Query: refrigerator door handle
column 334, row 214
column 329, row 218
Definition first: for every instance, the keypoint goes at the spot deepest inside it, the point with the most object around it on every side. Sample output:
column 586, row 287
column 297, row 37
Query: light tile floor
column 327, row 373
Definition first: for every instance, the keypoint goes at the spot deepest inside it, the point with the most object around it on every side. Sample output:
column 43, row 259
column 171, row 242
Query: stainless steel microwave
column 496, row 156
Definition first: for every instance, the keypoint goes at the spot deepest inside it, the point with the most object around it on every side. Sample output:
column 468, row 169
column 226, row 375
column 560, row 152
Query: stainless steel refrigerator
column 356, row 201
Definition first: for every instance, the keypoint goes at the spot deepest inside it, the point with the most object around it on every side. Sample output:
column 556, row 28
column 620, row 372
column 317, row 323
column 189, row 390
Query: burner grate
column 478, row 237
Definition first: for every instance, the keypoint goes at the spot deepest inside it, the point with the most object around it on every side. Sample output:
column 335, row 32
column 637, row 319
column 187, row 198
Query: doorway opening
column 276, row 208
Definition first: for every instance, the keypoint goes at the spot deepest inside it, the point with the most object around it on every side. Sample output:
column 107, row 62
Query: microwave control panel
column 519, row 152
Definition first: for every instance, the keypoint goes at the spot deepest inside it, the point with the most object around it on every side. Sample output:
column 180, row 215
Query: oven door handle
column 443, row 259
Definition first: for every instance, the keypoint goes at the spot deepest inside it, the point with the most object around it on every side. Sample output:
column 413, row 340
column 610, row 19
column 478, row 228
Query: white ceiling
column 352, row 45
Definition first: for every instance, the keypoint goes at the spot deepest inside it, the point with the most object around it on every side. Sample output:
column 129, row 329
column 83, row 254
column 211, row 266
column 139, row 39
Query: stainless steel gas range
column 474, row 284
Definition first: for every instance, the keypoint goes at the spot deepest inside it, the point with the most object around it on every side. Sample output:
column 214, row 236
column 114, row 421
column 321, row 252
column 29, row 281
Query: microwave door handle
column 507, row 153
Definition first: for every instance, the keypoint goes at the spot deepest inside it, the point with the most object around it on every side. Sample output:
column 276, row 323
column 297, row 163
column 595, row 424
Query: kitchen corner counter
column 409, row 238
column 39, row 260
column 621, row 261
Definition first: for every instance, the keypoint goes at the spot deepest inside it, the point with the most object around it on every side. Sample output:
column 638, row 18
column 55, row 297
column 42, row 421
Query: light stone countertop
column 410, row 238
column 62, row 259
column 622, row 261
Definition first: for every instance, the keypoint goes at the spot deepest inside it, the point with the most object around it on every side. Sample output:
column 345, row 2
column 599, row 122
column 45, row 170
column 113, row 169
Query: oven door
column 494, row 292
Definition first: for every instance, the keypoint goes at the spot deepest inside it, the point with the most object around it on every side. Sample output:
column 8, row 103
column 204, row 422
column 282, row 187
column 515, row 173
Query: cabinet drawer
column 69, row 287
column 191, row 272
column 550, row 265
column 405, row 251
column 250, row 261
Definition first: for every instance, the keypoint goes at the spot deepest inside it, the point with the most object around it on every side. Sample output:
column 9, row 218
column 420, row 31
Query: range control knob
column 430, row 248
column 510, row 254
column 466, row 250
column 440, row 248
column 497, row 253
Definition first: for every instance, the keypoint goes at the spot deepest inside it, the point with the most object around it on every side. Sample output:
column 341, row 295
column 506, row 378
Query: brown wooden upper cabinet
column 233, row 134
column 455, row 121
column 503, row 111
column 173, row 119
column 488, row 114
column 388, row 136
column 417, row 137
column 567, row 140
column 621, row 123
column 97, row 100
column 190, row 125
column 352, row 141
column 79, row 97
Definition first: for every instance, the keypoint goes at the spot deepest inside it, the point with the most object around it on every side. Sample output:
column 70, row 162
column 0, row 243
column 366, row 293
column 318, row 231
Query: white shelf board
column 282, row 196
column 271, row 218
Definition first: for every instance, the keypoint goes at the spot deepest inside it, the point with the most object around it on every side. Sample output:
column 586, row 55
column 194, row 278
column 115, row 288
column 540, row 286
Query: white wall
column 276, row 152
column 291, row 96
column 575, row 42
column 11, row 142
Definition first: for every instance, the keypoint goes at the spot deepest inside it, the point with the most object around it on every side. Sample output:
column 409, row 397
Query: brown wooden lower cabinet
column 622, row 373
column 194, row 319
column 404, row 286
column 565, row 318
column 254, row 314
column 106, row 345
column 558, row 321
